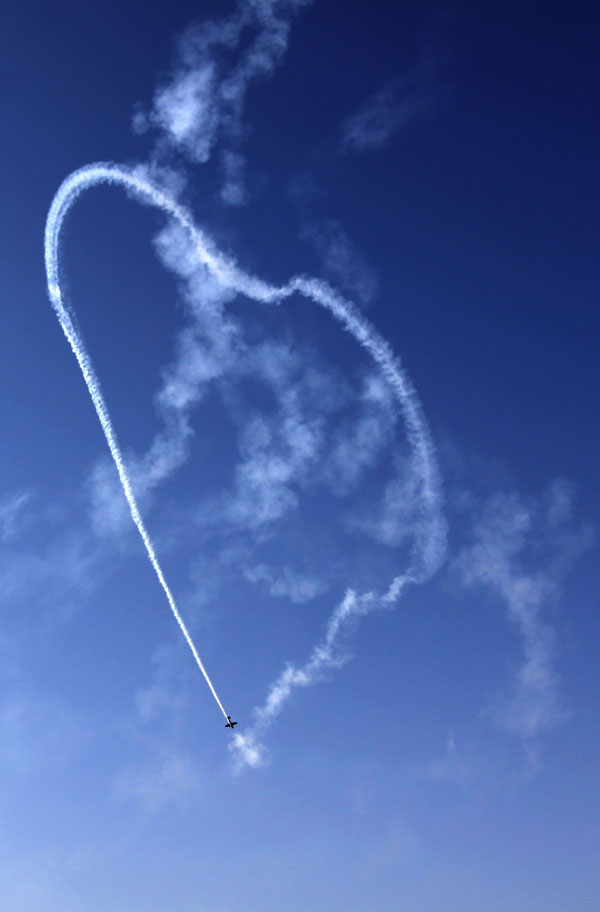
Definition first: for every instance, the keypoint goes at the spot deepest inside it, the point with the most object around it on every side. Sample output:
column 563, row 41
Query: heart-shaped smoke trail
column 429, row 542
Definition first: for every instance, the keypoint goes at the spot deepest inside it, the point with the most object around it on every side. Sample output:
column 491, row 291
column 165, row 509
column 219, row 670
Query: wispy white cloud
column 186, row 110
column 168, row 452
column 280, row 446
column 211, row 343
column 287, row 583
column 202, row 102
column 341, row 259
column 13, row 514
column 234, row 191
column 359, row 441
column 276, row 453
column 521, row 549
column 108, row 507
column 322, row 432
column 400, row 101
column 396, row 517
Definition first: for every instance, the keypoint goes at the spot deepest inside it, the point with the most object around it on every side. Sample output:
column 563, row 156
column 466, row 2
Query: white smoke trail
column 429, row 545
column 247, row 746
column 61, row 204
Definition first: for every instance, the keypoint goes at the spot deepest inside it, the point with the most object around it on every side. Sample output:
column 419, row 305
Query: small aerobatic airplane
column 230, row 724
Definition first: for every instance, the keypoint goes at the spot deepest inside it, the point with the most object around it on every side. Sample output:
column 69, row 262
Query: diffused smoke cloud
column 520, row 550
column 202, row 104
column 399, row 101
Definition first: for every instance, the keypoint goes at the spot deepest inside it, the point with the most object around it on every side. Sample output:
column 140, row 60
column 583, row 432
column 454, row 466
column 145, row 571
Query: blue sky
column 436, row 166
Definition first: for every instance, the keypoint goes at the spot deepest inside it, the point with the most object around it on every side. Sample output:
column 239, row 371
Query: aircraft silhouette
column 230, row 724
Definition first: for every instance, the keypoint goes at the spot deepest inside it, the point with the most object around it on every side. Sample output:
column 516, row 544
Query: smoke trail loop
column 429, row 542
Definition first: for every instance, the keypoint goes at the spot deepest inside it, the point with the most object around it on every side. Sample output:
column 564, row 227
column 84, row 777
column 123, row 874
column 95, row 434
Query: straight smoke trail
column 61, row 204
column 429, row 542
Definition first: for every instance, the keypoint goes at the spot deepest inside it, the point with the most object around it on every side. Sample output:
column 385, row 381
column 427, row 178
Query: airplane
column 230, row 724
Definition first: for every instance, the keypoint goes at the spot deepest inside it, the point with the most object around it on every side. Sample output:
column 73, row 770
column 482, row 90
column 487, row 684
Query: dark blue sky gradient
column 393, row 785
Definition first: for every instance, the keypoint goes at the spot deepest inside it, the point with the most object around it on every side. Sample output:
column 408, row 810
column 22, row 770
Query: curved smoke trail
column 429, row 543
